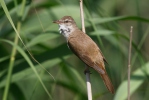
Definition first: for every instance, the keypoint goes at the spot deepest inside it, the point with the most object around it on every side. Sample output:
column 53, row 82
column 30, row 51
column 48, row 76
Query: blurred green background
column 108, row 23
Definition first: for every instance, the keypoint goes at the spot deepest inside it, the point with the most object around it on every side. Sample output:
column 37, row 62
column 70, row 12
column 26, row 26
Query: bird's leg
column 87, row 70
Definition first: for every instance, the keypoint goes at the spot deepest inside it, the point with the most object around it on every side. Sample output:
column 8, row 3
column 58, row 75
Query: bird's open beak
column 57, row 22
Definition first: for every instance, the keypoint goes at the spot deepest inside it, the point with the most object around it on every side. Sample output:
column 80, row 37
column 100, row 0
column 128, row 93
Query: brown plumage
column 84, row 48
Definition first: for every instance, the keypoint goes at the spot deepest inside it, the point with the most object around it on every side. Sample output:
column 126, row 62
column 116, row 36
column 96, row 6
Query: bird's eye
column 66, row 21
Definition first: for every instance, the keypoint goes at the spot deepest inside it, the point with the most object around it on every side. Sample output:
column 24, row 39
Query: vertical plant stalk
column 82, row 16
column 13, row 54
column 129, row 61
column 88, row 83
column 11, row 64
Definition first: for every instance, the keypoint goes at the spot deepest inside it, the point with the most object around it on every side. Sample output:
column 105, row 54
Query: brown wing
column 86, row 50
column 82, row 57
column 84, row 47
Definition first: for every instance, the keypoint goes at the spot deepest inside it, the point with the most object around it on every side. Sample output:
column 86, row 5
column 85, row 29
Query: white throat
column 65, row 30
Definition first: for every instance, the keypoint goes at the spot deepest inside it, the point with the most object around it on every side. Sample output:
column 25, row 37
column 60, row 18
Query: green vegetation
column 108, row 23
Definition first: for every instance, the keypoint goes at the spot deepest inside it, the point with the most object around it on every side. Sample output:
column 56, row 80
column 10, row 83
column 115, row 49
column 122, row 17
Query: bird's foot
column 87, row 71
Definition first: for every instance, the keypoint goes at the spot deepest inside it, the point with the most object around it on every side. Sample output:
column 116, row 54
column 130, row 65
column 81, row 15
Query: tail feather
column 107, row 82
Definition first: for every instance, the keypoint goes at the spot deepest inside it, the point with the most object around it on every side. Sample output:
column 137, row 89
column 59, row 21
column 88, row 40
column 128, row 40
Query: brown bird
column 84, row 48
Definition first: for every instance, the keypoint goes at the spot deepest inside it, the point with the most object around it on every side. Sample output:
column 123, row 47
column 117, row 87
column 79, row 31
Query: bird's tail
column 107, row 82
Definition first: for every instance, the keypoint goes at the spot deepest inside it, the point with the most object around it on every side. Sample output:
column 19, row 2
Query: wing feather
column 80, row 49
